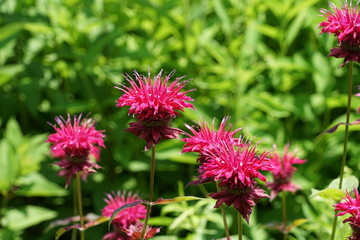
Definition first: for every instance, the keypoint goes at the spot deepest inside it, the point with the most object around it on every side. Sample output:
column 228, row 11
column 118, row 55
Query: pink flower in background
column 351, row 206
column 128, row 216
column 205, row 137
column 74, row 143
column 344, row 23
column 154, row 103
column 116, row 235
column 283, row 172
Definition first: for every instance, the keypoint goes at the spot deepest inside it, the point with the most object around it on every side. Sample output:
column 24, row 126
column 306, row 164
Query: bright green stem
column 151, row 192
column 74, row 231
column 348, row 108
column 283, row 199
column 239, row 226
column 80, row 207
column 222, row 207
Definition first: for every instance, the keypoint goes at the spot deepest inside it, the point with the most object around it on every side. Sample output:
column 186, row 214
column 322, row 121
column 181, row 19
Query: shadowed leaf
column 123, row 207
column 174, row 200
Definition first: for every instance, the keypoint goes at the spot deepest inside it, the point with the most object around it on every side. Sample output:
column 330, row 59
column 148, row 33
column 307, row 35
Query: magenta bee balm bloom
column 283, row 172
column 154, row 103
column 344, row 23
column 74, row 143
column 352, row 207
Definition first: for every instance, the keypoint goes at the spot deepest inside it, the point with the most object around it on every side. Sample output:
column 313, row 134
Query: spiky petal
column 154, row 103
column 74, row 142
column 351, row 206
column 344, row 23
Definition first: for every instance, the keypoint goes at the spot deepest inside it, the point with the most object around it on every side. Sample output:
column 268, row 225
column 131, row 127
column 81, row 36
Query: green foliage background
column 261, row 62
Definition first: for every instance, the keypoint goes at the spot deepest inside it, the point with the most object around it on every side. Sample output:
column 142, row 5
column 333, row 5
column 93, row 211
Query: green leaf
column 27, row 216
column 329, row 193
column 348, row 184
column 8, row 168
column 174, row 200
column 13, row 133
column 126, row 206
column 35, row 184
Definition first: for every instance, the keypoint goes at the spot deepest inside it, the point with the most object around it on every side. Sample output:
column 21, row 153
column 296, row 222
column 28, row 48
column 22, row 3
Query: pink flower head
column 134, row 231
column 344, row 23
column 352, row 207
column 283, row 172
column 205, row 137
column 235, row 167
column 154, row 103
column 126, row 217
column 74, row 142
column 244, row 199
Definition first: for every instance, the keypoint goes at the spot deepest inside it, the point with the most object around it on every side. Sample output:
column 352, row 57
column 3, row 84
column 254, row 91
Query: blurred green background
column 261, row 62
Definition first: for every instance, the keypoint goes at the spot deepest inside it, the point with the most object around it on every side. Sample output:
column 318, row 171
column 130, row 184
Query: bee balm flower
column 344, row 23
column 283, row 172
column 351, row 206
column 74, row 142
column 154, row 103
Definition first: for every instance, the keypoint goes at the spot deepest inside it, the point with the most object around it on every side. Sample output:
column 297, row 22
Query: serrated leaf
column 36, row 184
column 123, row 207
column 27, row 216
column 174, row 200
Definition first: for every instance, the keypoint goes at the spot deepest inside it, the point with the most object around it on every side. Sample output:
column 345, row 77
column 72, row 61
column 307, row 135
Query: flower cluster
column 283, row 172
column 74, row 143
column 352, row 207
column 230, row 161
column 154, row 103
column 126, row 224
column 344, row 23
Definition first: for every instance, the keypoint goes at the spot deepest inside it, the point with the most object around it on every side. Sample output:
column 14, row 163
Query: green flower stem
column 239, row 226
column 74, row 231
column 283, row 199
column 348, row 108
column 80, row 207
column 151, row 192
column 222, row 207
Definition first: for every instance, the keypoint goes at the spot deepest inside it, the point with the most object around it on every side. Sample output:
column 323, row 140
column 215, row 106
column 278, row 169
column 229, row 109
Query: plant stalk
column 80, row 207
column 239, row 226
column 151, row 192
column 283, row 199
column 346, row 137
column 222, row 207
column 73, row 231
